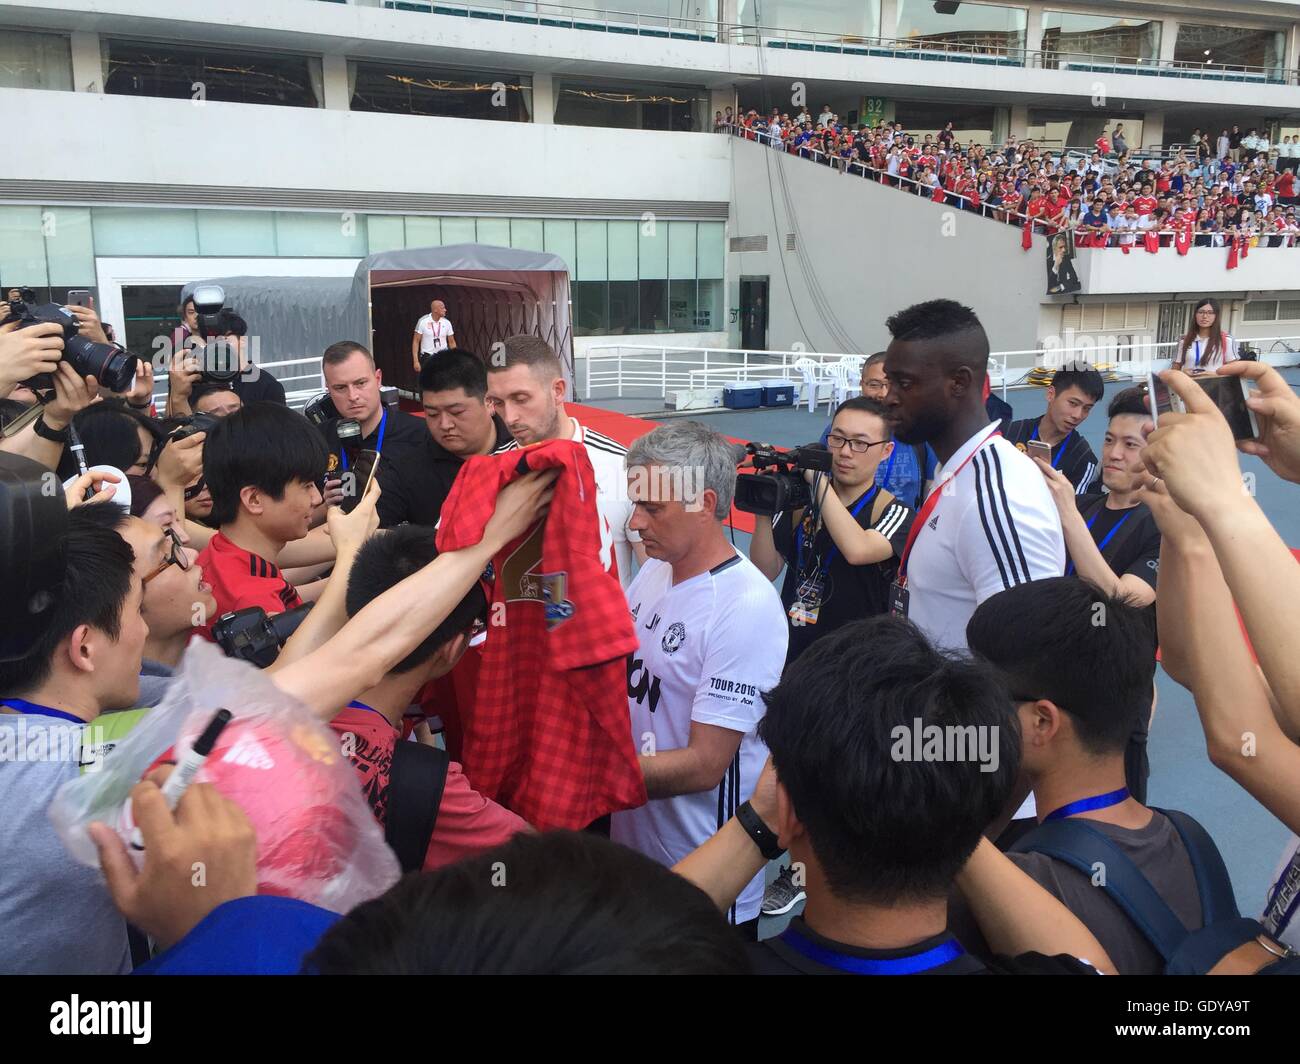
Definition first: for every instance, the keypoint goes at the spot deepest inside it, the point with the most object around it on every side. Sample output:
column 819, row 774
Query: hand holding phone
column 1039, row 449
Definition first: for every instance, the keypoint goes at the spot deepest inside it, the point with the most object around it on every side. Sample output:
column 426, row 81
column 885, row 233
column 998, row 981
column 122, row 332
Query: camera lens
column 220, row 361
column 112, row 366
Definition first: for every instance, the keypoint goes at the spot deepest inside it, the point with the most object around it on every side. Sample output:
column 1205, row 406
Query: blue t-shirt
column 900, row 474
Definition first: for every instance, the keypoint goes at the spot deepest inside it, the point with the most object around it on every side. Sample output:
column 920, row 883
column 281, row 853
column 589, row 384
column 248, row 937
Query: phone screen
column 1229, row 395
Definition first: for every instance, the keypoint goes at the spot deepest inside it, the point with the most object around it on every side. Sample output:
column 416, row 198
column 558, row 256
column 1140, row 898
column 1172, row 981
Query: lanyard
column 1056, row 462
column 379, row 444
column 941, row 954
column 354, row 704
column 889, row 467
column 1108, row 537
column 932, row 503
column 830, row 554
column 1087, row 805
column 36, row 709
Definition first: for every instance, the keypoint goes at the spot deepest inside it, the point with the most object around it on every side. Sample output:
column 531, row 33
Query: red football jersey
column 548, row 735
column 241, row 578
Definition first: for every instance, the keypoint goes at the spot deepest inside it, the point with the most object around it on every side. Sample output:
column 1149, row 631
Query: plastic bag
column 317, row 839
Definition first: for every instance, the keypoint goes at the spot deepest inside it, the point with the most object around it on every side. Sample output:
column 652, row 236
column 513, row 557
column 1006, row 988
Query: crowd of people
column 586, row 721
column 1204, row 195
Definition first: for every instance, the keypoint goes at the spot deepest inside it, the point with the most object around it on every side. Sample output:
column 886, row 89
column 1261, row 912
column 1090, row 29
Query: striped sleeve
column 1001, row 536
column 894, row 524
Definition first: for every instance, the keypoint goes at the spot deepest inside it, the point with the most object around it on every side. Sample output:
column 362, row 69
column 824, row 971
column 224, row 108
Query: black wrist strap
column 46, row 433
column 763, row 836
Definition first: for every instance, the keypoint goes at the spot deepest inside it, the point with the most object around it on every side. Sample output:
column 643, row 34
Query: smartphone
column 1039, row 449
column 363, row 469
column 1229, row 395
column 78, row 297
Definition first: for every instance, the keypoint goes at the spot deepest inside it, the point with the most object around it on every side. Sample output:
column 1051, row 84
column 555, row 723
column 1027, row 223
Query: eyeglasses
column 836, row 443
column 177, row 557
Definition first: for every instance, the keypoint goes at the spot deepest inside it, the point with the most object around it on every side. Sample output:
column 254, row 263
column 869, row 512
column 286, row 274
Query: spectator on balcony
column 1286, row 188
column 1119, row 140
column 826, row 117
column 1103, row 144
column 1234, row 144
column 1223, row 148
column 1205, row 346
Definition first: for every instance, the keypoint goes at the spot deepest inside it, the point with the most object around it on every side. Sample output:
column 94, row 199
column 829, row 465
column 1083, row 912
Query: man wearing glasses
column 840, row 554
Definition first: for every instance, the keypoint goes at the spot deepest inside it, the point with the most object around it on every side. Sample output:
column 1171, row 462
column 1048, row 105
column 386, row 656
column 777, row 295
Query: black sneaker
column 782, row 895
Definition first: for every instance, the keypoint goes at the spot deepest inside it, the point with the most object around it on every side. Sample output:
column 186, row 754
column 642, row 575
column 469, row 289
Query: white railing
column 301, row 379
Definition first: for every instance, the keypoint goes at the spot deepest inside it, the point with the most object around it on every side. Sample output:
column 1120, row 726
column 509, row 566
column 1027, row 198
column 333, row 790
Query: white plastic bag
column 317, row 839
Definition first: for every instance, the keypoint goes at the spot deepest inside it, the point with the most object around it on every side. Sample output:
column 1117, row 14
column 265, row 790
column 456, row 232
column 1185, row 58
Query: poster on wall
column 1061, row 276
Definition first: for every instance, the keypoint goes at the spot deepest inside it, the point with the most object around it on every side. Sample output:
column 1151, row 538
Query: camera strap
column 415, row 784
column 830, row 554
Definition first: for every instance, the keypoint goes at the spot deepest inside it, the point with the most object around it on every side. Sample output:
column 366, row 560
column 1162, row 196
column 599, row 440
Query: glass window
column 236, row 233
column 300, row 233
column 385, row 232
column 979, row 28
column 593, row 262
column 590, row 308
column 69, row 246
column 1261, row 310
column 623, row 241
column 152, row 313
column 459, row 231
column 495, row 231
column 22, row 248
column 681, row 250
column 839, row 18
column 712, row 245
column 35, row 61
column 681, row 306
column 423, row 232
column 1068, row 38
column 559, row 237
column 630, row 105
column 1227, row 48
column 652, row 238
column 526, row 233
column 654, row 307
column 624, row 307
column 183, row 72
column 397, row 88
column 709, row 311
column 144, row 231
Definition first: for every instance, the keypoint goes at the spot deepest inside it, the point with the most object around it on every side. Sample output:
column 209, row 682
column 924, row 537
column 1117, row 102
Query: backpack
column 1185, row 952
column 415, row 782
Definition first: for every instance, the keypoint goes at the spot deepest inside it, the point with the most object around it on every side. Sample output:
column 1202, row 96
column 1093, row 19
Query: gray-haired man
column 712, row 638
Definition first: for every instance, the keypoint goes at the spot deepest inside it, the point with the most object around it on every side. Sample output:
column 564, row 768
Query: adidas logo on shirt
column 248, row 752
column 934, row 522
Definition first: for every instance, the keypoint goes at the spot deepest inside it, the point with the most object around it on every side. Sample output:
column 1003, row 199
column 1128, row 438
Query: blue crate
column 778, row 392
column 742, row 395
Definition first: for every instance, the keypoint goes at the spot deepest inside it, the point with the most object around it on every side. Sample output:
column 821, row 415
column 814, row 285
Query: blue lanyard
column 889, row 466
column 1087, row 805
column 1107, row 538
column 1056, row 462
column 354, row 704
column 830, row 554
column 941, row 954
column 36, row 709
column 379, row 444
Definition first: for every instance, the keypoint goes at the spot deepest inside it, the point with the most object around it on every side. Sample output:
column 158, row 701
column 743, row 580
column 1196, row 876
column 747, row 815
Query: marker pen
column 183, row 774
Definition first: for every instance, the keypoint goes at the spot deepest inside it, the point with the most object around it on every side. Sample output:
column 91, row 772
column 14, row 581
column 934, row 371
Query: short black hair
column 203, row 390
column 108, row 432
column 940, row 319
column 1081, row 376
column 228, row 324
column 1045, row 640
column 388, row 558
column 97, row 567
column 454, row 368
column 887, row 828
column 1128, row 401
column 559, row 903
column 864, row 404
column 264, row 445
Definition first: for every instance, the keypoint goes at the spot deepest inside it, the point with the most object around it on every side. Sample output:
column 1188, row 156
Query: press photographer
column 219, row 355
column 837, row 533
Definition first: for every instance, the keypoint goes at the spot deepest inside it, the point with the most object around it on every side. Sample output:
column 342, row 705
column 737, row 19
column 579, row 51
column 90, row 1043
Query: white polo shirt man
column 992, row 526
column 433, row 333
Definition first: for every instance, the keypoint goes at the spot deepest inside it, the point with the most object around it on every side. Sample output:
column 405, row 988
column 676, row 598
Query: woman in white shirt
column 1206, row 346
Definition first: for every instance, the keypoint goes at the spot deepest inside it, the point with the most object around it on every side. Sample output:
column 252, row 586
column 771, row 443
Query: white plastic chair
column 811, row 372
column 845, row 382
column 856, row 361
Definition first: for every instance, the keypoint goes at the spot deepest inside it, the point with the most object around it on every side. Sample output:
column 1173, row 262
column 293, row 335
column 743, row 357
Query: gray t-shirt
column 1159, row 854
column 56, row 916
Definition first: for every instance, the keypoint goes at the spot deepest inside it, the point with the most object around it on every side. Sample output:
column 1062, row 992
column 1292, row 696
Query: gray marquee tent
column 490, row 293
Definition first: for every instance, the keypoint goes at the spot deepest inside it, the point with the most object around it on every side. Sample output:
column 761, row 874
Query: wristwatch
column 46, row 433
column 764, row 837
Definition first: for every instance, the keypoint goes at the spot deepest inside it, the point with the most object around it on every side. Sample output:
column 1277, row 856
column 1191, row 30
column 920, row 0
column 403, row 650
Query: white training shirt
column 433, row 334
column 1195, row 355
column 1281, row 915
column 612, row 502
column 995, row 527
column 699, row 661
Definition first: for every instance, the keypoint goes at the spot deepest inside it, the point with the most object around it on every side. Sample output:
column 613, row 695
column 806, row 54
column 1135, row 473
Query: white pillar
column 87, row 66
column 1034, row 33
column 888, row 18
column 1168, row 38
column 1019, row 120
column 544, row 100
column 1153, row 128
column 334, row 76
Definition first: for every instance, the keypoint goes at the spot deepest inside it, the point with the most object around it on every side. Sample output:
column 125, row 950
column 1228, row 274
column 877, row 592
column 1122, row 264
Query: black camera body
column 194, row 424
column 321, row 409
column 219, row 359
column 783, row 488
column 253, row 636
column 112, row 365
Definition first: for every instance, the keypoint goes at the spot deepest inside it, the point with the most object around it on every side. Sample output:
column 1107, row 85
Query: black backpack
column 415, row 782
column 1184, row 951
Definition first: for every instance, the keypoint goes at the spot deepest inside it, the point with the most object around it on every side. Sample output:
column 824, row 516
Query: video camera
column 112, row 365
column 220, row 359
column 783, row 488
column 253, row 636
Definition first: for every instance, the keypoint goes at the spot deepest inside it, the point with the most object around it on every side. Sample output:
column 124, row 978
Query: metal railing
column 301, row 379
column 566, row 16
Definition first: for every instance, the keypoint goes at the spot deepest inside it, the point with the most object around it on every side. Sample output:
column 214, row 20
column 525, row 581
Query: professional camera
column 220, row 361
column 192, row 425
column 112, row 365
column 25, row 295
column 33, row 523
column 253, row 636
column 783, row 488
column 320, row 409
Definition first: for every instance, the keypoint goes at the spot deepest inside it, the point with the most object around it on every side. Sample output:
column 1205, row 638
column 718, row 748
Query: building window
column 629, row 105
column 1225, row 48
column 1052, row 128
column 394, row 88
column 982, row 29
column 176, row 71
column 846, row 20
column 1261, row 310
column 971, row 123
column 1070, row 39
column 35, row 61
